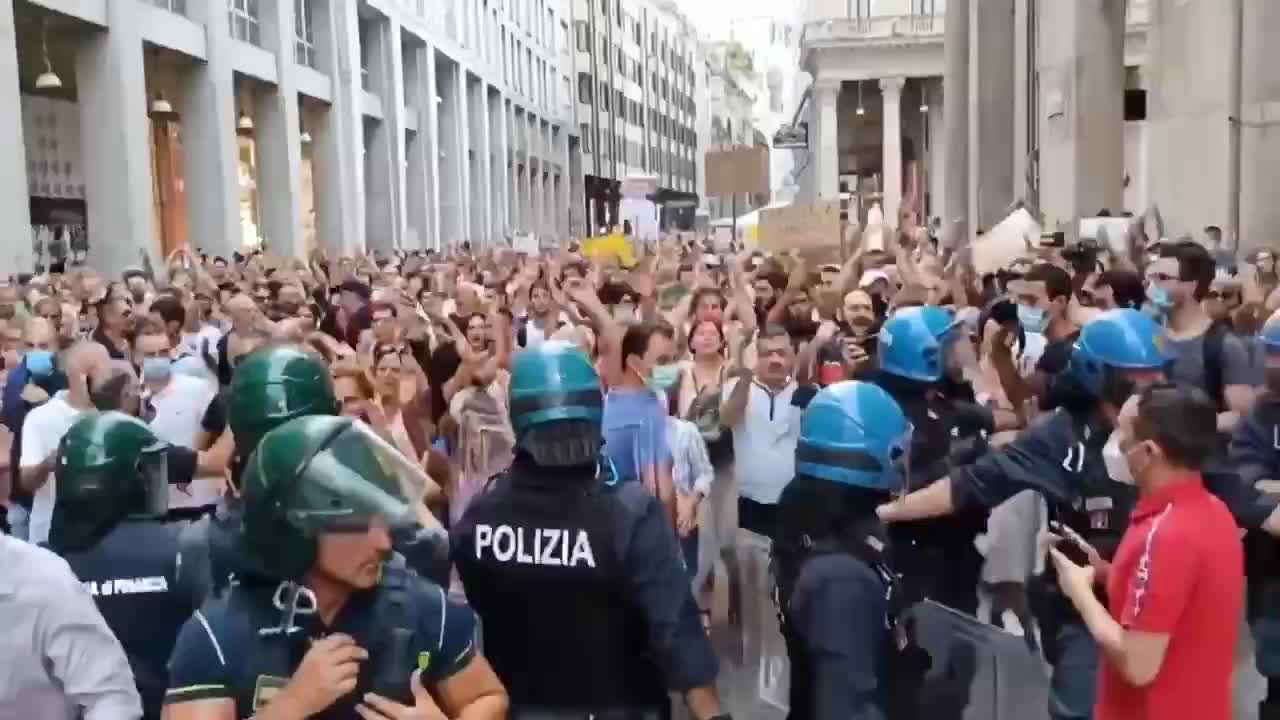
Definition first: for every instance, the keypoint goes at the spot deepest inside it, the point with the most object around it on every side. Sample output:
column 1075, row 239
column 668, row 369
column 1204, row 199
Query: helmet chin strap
column 291, row 599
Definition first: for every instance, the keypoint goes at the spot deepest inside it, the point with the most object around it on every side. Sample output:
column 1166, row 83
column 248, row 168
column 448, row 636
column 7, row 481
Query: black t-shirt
column 115, row 352
column 1056, row 355
column 214, row 420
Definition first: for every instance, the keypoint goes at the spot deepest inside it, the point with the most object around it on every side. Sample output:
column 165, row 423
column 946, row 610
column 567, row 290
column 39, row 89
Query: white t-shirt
column 764, row 441
column 41, row 432
column 179, row 407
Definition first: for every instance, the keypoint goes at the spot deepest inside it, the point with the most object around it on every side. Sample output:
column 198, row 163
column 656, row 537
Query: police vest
column 902, row 671
column 395, row 608
column 543, row 569
column 132, row 575
column 937, row 446
column 1100, row 511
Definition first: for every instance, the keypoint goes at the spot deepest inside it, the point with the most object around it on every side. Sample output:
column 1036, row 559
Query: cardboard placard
column 1114, row 230
column 738, row 170
column 1005, row 243
column 813, row 229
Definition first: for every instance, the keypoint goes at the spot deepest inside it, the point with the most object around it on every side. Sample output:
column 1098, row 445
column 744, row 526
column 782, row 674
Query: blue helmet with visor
column 913, row 343
column 854, row 433
column 1116, row 340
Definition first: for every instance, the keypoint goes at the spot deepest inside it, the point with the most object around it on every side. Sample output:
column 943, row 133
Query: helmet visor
column 357, row 480
column 900, row 457
column 153, row 467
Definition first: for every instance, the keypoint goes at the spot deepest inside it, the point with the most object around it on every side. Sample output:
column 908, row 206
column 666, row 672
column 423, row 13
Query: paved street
column 738, row 689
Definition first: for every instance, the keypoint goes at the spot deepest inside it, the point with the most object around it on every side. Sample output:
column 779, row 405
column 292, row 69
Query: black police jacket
column 838, row 611
column 937, row 556
column 581, row 592
column 146, row 577
column 1254, row 453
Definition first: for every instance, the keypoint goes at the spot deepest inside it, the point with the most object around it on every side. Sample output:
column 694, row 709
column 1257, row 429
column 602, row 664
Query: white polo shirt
column 41, row 432
column 764, row 441
column 179, row 407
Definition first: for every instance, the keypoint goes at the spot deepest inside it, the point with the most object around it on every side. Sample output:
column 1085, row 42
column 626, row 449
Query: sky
column 709, row 15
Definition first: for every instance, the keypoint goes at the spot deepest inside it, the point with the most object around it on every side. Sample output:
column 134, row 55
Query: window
column 585, row 134
column 622, row 60
column 620, row 103
column 178, row 7
column 604, row 97
column 304, row 41
column 584, row 88
column 583, row 34
column 243, row 15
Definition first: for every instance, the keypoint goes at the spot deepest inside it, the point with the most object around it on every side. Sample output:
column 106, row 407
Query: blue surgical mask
column 1159, row 298
column 39, row 362
column 1032, row 319
column 156, row 369
column 662, row 377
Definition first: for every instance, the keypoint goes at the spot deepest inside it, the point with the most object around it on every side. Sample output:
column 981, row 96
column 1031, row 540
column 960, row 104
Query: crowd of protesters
column 708, row 358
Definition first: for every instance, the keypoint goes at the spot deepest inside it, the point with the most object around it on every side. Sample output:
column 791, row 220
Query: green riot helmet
column 556, row 404
column 321, row 474
column 109, row 467
column 273, row 385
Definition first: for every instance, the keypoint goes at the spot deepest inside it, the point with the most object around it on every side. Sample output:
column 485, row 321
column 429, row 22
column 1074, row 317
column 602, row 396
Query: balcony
column 874, row 30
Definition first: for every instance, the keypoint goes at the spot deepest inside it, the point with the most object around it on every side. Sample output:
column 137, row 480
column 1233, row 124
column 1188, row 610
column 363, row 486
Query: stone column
column 211, row 172
column 432, row 133
column 14, row 200
column 277, row 141
column 418, row 150
column 1099, row 60
column 954, row 200
column 891, row 91
column 463, row 150
column 337, row 135
column 112, row 93
column 991, row 112
column 824, row 139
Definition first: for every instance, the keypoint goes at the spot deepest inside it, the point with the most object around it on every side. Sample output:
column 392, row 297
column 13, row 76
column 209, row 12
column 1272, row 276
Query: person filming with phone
column 1177, row 578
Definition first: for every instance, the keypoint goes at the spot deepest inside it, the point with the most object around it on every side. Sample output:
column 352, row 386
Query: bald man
column 44, row 427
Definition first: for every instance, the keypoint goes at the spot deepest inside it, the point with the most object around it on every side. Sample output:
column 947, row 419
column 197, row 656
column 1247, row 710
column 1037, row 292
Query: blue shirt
column 635, row 432
column 211, row 650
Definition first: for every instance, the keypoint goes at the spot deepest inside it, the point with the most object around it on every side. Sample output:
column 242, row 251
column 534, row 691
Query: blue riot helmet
column 1116, row 341
column 854, row 433
column 556, row 405
column 1270, row 334
column 913, row 343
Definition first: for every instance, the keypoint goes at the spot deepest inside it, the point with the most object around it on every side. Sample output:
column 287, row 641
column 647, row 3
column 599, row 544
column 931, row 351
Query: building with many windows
column 149, row 125
column 636, row 65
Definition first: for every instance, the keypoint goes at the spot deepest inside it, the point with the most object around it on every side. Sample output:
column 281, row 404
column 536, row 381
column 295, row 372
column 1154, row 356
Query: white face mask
column 1117, row 464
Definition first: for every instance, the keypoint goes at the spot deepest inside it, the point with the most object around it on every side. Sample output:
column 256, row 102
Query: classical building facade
column 348, row 125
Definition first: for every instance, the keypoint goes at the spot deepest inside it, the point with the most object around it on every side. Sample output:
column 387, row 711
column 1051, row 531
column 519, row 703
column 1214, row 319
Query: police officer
column 835, row 587
column 1061, row 455
column 919, row 352
column 320, row 625
column 1255, row 453
column 585, row 604
column 147, row 572
column 269, row 387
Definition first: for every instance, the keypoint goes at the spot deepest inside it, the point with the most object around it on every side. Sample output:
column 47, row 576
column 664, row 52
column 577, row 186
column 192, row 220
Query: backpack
column 485, row 444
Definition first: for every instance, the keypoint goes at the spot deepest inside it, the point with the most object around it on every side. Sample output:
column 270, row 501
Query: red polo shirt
column 1179, row 571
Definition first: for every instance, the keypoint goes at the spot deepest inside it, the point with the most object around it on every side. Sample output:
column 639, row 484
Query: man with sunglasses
column 146, row 570
column 1061, row 455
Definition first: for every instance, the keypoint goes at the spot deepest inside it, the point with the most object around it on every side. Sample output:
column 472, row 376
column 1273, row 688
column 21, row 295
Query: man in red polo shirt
column 1175, row 589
